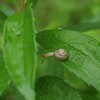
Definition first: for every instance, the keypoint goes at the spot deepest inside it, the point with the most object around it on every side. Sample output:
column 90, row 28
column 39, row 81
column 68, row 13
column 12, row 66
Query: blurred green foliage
column 50, row 14
column 62, row 13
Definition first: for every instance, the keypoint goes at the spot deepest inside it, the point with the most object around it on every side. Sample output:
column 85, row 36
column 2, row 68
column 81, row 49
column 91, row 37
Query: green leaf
column 93, row 33
column 84, row 53
column 54, row 88
column 54, row 68
column 3, row 17
column 29, row 47
column 85, row 26
column 4, row 76
column 33, row 2
column 90, row 94
column 11, row 93
column 17, row 45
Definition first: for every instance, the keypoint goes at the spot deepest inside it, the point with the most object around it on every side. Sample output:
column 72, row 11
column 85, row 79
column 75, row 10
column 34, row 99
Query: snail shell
column 60, row 54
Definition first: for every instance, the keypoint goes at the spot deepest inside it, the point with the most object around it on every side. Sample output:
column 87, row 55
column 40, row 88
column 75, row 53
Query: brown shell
column 60, row 54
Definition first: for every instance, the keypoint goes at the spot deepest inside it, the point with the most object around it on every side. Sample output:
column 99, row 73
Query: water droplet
column 59, row 28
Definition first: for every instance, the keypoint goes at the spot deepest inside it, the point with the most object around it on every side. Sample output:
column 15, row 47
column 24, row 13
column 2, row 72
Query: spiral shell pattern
column 60, row 54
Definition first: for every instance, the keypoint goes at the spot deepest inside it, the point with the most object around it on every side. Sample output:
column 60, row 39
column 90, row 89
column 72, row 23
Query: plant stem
column 22, row 6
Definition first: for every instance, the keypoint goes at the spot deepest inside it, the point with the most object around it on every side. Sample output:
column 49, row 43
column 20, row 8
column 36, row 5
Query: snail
column 59, row 54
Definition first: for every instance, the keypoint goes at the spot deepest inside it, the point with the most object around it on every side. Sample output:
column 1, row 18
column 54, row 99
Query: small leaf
column 85, row 26
column 54, row 88
column 33, row 2
column 18, row 46
column 90, row 94
column 84, row 53
column 3, row 17
column 4, row 76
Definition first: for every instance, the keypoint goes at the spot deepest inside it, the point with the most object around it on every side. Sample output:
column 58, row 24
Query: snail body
column 59, row 54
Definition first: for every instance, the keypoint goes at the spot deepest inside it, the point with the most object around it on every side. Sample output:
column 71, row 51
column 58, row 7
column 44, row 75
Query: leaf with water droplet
column 84, row 51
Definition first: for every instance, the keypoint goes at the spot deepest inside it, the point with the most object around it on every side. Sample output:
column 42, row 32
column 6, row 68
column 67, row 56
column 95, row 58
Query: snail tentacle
column 48, row 54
